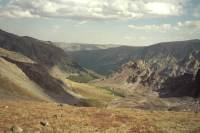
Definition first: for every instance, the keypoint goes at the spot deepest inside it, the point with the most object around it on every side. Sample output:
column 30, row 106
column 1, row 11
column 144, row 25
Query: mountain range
column 110, row 60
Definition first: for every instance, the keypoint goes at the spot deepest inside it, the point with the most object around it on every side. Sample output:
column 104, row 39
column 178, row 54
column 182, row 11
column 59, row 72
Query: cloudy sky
column 132, row 22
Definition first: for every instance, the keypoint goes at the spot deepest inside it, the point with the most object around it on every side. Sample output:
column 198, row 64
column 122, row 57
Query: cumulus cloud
column 191, row 25
column 162, row 27
column 162, row 8
column 92, row 9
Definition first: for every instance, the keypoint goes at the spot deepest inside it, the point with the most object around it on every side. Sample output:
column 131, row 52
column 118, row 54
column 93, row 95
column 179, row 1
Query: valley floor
column 59, row 118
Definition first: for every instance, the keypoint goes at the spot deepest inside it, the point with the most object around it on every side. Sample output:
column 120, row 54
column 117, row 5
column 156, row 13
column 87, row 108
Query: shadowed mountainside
column 184, row 85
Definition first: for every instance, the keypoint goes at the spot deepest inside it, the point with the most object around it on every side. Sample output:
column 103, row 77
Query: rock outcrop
column 169, row 77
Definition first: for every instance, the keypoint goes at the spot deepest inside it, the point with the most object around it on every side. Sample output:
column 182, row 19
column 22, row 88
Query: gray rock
column 44, row 123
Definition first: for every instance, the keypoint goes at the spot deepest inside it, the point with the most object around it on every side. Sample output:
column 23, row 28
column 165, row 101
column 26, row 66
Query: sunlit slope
column 22, row 78
column 15, row 84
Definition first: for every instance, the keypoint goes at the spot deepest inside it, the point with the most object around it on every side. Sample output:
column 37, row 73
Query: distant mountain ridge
column 70, row 47
column 109, row 60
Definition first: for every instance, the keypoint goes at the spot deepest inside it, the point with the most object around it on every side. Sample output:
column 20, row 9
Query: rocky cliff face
column 169, row 76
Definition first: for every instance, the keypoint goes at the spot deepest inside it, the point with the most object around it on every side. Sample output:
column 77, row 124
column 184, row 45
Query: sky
column 124, row 22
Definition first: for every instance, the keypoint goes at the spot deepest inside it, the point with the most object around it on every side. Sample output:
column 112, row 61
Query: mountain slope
column 44, row 53
column 16, row 85
column 21, row 78
column 41, row 74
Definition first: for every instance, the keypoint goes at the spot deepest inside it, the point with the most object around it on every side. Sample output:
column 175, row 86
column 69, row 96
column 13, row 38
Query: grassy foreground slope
column 69, row 119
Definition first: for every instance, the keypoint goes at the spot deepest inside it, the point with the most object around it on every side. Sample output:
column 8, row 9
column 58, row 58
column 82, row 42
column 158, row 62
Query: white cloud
column 162, row 8
column 161, row 28
column 92, row 9
column 191, row 25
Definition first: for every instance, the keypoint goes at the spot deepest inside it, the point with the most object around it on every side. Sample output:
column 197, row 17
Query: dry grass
column 68, row 119
column 91, row 95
